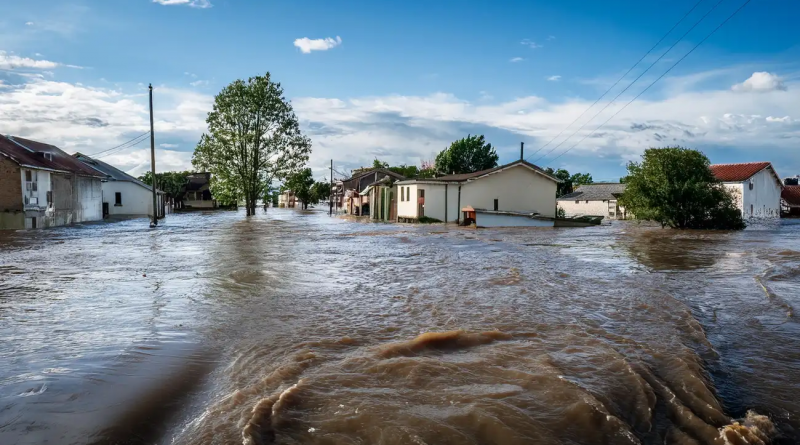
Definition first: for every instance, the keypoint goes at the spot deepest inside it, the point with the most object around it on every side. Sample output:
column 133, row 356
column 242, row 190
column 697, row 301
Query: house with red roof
column 790, row 200
column 42, row 186
column 755, row 186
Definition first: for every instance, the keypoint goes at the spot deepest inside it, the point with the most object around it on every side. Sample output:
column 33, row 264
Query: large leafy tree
column 467, row 155
column 675, row 187
column 568, row 182
column 171, row 183
column 253, row 138
column 321, row 191
column 301, row 183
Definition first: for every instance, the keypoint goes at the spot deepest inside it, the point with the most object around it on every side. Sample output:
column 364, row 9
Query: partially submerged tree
column 171, row 183
column 253, row 137
column 301, row 184
column 675, row 187
column 321, row 191
column 467, row 155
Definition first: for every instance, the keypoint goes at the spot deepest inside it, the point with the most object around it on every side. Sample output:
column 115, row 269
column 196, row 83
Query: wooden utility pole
column 154, row 222
column 330, row 210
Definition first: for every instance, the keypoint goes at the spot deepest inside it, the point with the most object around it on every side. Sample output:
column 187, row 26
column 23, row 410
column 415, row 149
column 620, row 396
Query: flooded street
column 294, row 328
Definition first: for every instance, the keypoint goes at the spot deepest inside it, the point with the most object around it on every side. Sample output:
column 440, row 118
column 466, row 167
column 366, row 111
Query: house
column 790, row 201
column 755, row 186
column 287, row 199
column 600, row 199
column 196, row 193
column 124, row 195
column 383, row 205
column 42, row 186
column 351, row 199
column 508, row 195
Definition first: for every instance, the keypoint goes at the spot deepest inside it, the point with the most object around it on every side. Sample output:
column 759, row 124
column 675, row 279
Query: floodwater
column 294, row 328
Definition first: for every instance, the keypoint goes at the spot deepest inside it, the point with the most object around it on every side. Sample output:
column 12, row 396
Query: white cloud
column 168, row 145
column 531, row 44
column 192, row 75
column 779, row 119
column 198, row 83
column 554, row 78
column 29, row 23
column 307, row 45
column 191, row 3
column 11, row 61
column 551, row 37
column 761, row 81
column 516, row 59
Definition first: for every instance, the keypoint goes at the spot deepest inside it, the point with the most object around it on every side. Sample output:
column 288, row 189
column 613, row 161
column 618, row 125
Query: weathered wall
column 10, row 187
column 517, row 189
column 62, row 213
column 136, row 200
column 764, row 201
column 89, row 205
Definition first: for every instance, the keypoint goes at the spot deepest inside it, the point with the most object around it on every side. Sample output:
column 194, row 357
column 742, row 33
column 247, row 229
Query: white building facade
column 122, row 194
column 518, row 187
column 755, row 186
column 594, row 199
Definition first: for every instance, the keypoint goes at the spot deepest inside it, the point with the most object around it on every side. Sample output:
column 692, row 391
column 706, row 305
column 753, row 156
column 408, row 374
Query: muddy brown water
column 293, row 328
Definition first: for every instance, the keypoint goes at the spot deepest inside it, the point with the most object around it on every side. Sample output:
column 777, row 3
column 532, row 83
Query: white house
column 502, row 196
column 286, row 199
column 755, row 186
column 124, row 195
column 598, row 199
column 42, row 186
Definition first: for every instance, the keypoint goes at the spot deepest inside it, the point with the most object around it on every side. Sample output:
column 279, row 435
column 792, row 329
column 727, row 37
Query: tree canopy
column 568, row 182
column 253, row 138
column 171, row 183
column 467, row 155
column 301, row 183
column 675, row 187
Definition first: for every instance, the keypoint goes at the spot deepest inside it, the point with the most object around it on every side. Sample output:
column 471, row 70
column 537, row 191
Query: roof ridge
column 744, row 163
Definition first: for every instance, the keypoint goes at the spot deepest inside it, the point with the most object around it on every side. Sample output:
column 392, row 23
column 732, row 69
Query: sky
column 399, row 81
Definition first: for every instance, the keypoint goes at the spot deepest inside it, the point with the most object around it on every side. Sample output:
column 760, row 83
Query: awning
column 468, row 209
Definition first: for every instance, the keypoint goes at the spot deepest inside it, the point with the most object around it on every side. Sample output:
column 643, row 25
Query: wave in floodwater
column 460, row 387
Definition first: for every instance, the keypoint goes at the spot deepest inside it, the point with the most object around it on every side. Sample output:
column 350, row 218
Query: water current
column 291, row 327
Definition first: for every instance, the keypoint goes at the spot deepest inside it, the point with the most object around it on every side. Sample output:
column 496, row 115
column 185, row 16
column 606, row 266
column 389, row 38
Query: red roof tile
column 737, row 172
column 791, row 194
column 29, row 153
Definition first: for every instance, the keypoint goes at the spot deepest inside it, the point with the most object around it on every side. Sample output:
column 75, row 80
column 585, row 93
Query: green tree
column 321, row 191
column 568, row 182
column 301, row 183
column 467, row 155
column 675, row 187
column 379, row 164
column 580, row 179
column 171, row 183
column 253, row 137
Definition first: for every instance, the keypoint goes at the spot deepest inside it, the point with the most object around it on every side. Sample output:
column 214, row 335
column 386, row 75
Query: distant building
column 790, row 201
column 352, row 201
column 287, row 199
column 196, row 193
column 124, row 195
column 504, row 196
column 755, row 186
column 382, row 198
column 600, row 199
column 42, row 186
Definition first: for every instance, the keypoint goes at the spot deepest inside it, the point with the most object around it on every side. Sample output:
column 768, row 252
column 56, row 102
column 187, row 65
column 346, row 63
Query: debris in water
column 311, row 430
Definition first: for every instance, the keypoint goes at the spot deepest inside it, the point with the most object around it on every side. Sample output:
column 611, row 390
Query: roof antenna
column 521, row 151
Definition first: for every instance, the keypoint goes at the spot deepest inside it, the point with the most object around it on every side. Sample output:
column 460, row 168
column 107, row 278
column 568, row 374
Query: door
column 421, row 204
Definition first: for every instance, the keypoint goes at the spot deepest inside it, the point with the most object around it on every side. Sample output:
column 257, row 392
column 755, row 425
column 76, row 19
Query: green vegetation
column 568, row 182
column 466, row 155
column 171, row 183
column 301, row 183
column 321, row 191
column 428, row 220
column 253, row 138
column 675, row 187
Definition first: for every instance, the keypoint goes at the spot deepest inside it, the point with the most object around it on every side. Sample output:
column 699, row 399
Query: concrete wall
column 407, row 208
column 136, row 200
column 517, row 189
column 764, row 201
column 89, row 204
column 599, row 208
column 434, row 201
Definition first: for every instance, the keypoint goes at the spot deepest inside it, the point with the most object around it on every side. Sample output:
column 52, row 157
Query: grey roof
column 595, row 192
column 112, row 173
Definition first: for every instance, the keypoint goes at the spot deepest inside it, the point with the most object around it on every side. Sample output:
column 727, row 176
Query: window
column 496, row 205
column 751, row 209
column 422, row 193
column 117, row 199
column 751, row 185
column 408, row 193
column 587, row 201
column 577, row 202
column 50, row 199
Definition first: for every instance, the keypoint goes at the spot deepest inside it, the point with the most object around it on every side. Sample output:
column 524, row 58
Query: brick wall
column 10, row 185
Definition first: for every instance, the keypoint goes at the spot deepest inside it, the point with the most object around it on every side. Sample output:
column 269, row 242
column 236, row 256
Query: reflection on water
column 291, row 327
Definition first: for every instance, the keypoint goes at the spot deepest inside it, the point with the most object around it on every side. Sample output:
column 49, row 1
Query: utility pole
column 521, row 151
column 154, row 222
column 330, row 210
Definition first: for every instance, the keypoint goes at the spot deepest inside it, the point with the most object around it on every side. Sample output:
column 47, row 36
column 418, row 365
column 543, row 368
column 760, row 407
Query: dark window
column 751, row 186
column 117, row 199
column 422, row 193
column 496, row 205
column 49, row 199
column 28, row 175
column 577, row 202
column 751, row 209
column 587, row 201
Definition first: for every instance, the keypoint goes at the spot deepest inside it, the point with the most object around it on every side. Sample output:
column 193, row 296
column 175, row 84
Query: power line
column 634, row 81
column 659, row 78
column 121, row 145
column 120, row 148
column 618, row 80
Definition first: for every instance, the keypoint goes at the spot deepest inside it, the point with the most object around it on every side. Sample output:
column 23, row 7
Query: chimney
column 521, row 151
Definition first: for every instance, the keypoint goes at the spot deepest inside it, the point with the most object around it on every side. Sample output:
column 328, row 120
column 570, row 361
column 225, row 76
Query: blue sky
column 400, row 80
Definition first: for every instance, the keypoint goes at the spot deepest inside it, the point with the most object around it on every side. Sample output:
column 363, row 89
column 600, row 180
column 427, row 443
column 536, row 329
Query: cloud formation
column 11, row 61
column 554, row 78
column 29, row 23
column 761, row 81
column 202, row 4
column 307, row 45
column 530, row 44
column 516, row 59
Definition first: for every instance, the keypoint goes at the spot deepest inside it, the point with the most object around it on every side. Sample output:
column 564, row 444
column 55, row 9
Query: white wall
column 765, row 198
column 582, row 207
column 407, row 208
column 517, row 189
column 136, row 200
column 42, row 186
column 90, row 199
